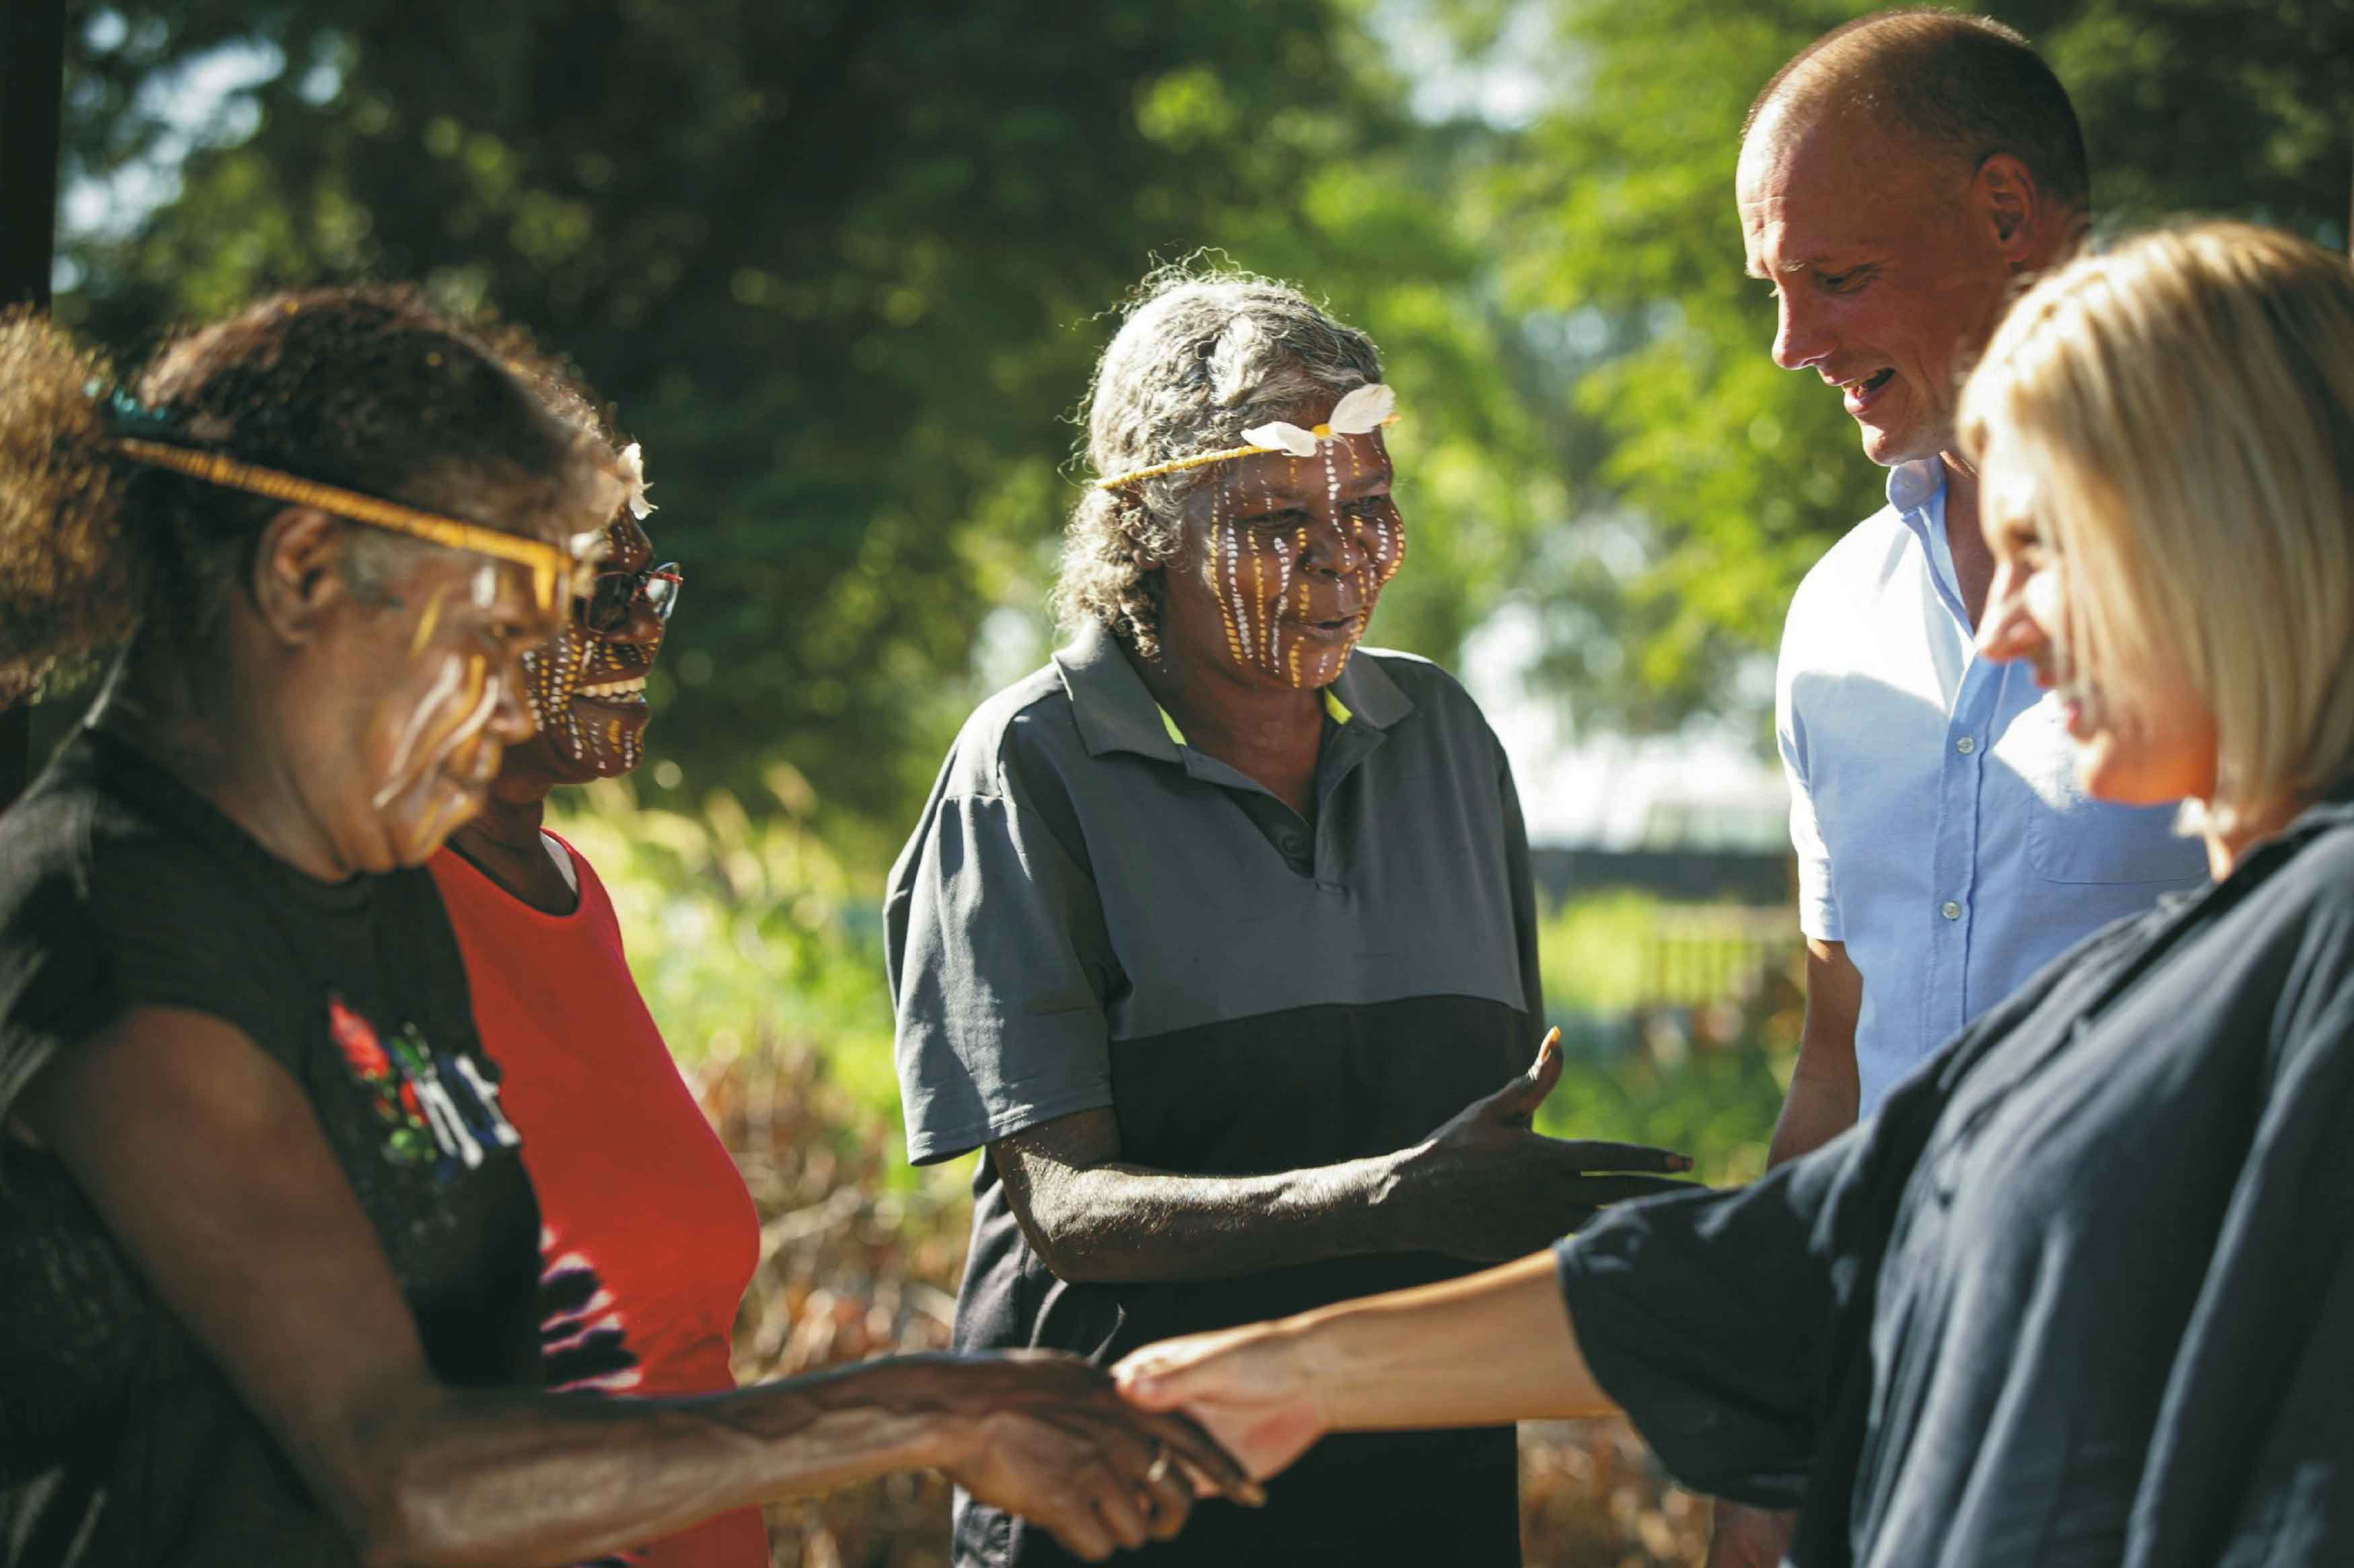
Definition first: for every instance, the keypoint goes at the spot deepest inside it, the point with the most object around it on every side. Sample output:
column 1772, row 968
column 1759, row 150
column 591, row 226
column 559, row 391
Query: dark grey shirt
column 1094, row 914
column 2083, row 1292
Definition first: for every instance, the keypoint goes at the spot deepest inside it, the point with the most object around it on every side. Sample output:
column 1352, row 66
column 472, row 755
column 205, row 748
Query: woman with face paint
column 648, row 1236
column 269, row 1257
column 1219, row 934
column 2083, row 1290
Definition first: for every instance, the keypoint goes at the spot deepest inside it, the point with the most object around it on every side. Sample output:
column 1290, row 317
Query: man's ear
column 2006, row 198
column 298, row 579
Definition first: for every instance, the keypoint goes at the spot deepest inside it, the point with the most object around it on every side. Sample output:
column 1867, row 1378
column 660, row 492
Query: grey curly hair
column 1202, row 354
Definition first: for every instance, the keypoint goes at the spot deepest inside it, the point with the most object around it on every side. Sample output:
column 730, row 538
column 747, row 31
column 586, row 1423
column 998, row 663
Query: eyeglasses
column 605, row 609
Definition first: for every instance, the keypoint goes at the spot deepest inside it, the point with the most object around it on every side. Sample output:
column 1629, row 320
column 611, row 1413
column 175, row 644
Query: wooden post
column 32, row 80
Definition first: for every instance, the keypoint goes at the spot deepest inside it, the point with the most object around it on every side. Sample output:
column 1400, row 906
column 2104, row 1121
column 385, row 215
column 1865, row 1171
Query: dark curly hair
column 367, row 388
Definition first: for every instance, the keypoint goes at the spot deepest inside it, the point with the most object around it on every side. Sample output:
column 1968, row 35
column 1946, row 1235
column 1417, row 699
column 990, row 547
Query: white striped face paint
column 1293, row 553
column 587, row 688
column 431, row 737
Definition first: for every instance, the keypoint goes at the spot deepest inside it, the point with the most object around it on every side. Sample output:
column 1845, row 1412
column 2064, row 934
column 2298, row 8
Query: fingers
column 1517, row 1101
column 1203, row 1460
column 1081, row 1530
column 1120, row 1506
column 1594, row 1154
column 1166, row 1376
column 1110, row 1497
column 1167, row 1494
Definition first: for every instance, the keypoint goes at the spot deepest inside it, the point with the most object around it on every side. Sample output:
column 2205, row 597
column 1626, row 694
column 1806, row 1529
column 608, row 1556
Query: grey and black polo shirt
column 1094, row 914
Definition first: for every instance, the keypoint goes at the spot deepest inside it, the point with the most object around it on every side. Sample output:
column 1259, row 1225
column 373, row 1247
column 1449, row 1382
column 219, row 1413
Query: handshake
column 1105, row 1460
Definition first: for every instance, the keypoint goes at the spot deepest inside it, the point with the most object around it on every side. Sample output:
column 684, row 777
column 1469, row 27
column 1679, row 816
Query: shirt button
column 1950, row 910
column 1966, row 745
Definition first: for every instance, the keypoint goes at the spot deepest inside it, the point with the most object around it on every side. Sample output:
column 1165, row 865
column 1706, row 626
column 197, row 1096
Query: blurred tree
column 842, row 267
column 1721, row 477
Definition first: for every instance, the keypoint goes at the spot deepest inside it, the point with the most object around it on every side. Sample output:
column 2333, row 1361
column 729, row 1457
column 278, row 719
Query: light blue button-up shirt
column 1940, row 831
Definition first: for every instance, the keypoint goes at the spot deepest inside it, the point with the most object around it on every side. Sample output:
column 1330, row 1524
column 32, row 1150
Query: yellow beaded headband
column 556, row 574
column 1358, row 412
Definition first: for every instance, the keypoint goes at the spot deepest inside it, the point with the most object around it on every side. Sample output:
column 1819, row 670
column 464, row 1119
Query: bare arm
column 1483, row 1351
column 205, row 1161
column 1483, row 1186
column 1823, row 1086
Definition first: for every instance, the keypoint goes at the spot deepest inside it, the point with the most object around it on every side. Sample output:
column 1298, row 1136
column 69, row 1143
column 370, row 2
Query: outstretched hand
column 1047, row 1436
column 1487, row 1186
column 1245, row 1386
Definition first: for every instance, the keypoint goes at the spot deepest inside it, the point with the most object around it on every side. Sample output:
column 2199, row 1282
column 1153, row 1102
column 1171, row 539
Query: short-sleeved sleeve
column 96, row 920
column 1708, row 1318
column 1819, row 914
column 998, row 966
column 52, row 978
column 1523, row 873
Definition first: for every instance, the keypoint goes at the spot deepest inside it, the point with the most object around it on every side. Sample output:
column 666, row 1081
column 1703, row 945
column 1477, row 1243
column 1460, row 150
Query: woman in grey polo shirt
column 1218, row 931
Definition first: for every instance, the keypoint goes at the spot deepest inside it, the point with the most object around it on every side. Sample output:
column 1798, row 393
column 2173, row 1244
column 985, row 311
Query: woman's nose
column 640, row 625
column 1332, row 545
column 2005, row 628
column 510, row 722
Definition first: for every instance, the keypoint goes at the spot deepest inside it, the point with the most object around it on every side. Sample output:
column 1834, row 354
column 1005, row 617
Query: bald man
column 1901, row 179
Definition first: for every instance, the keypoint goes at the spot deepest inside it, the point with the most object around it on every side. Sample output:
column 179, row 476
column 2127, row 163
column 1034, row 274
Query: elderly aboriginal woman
column 1218, row 931
column 647, row 1234
column 2084, row 1291
column 267, row 1254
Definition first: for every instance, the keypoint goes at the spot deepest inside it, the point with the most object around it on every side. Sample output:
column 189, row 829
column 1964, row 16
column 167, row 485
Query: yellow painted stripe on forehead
column 555, row 570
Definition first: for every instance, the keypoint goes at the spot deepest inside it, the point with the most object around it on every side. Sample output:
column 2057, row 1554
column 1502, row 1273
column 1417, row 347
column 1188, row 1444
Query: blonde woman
column 2083, row 1290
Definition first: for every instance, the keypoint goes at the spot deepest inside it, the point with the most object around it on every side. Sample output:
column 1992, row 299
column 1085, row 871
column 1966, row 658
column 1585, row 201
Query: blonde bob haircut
column 2175, row 416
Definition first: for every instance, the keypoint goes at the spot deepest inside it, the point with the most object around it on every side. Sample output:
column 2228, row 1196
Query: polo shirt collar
column 1366, row 692
column 1115, row 712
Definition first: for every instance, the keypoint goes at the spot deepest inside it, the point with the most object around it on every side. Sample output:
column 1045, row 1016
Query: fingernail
column 1679, row 1162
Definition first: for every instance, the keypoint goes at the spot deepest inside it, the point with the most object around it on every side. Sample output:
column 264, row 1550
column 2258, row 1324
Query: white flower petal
column 1362, row 409
column 1282, row 436
column 632, row 462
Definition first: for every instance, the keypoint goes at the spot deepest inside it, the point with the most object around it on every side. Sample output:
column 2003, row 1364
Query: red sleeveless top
column 648, row 1236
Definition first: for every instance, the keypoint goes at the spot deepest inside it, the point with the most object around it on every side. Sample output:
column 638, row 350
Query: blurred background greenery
column 844, row 268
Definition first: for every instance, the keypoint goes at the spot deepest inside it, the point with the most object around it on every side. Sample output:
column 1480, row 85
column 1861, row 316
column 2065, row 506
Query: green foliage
column 743, row 932
column 1680, row 1023
column 843, row 268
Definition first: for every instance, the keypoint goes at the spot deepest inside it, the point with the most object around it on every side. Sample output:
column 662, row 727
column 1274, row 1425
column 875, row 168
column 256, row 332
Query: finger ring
column 1158, row 1471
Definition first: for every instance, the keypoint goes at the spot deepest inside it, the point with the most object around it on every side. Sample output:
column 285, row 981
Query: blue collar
column 1916, row 492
